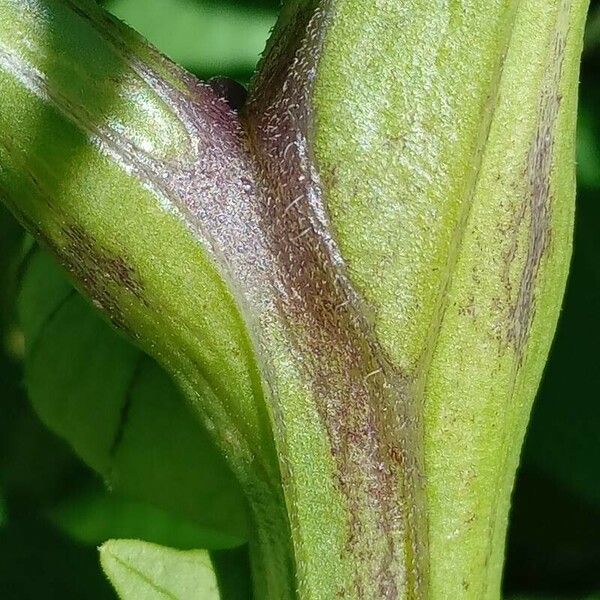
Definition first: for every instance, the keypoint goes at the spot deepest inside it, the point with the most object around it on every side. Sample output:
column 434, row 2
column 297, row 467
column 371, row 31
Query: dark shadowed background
column 54, row 510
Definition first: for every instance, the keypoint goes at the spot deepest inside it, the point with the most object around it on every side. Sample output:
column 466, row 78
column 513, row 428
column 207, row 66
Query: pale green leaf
column 144, row 571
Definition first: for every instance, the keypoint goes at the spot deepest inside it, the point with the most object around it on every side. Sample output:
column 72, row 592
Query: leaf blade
column 119, row 411
column 143, row 571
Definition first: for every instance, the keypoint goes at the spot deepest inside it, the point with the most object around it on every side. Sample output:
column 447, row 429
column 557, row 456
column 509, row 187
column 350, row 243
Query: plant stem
column 355, row 278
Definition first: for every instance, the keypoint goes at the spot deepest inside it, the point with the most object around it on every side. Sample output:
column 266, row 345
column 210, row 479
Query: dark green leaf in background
column 119, row 411
column 2, row 510
column 38, row 562
column 93, row 516
column 588, row 148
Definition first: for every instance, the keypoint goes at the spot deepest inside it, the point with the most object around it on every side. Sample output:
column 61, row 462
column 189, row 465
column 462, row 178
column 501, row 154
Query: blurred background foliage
column 55, row 510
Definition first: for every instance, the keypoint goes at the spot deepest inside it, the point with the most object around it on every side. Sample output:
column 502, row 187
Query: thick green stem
column 444, row 138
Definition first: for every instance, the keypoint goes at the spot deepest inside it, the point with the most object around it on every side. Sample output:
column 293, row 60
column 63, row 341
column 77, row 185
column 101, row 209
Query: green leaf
column 588, row 149
column 430, row 265
column 143, row 571
column 207, row 38
column 119, row 411
column 36, row 467
column 95, row 515
column 592, row 30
